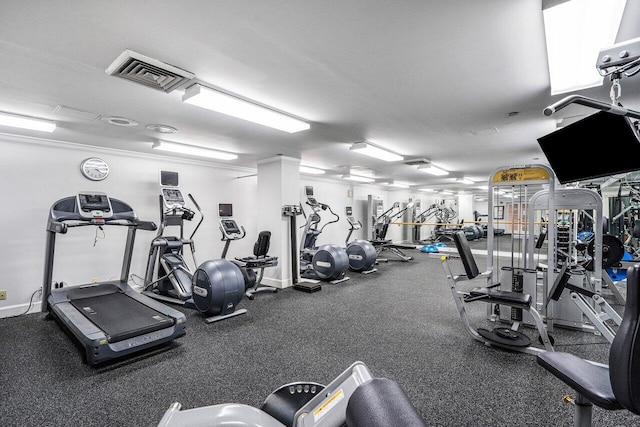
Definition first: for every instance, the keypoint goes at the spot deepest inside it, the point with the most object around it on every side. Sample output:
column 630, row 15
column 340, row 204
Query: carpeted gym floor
column 400, row 321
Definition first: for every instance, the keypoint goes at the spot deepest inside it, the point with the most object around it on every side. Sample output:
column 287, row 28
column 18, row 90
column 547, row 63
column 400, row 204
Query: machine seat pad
column 587, row 379
column 381, row 402
column 513, row 299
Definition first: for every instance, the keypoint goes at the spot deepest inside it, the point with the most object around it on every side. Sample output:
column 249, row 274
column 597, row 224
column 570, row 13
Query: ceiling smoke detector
column 148, row 71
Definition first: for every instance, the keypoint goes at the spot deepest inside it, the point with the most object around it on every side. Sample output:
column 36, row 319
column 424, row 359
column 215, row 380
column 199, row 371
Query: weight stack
column 522, row 280
column 563, row 234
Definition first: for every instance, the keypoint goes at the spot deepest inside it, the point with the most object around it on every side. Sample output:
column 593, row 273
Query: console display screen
column 225, row 209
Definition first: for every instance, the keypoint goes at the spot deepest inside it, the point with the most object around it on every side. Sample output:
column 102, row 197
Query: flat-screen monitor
column 308, row 190
column 225, row 210
column 600, row 145
column 168, row 179
column 348, row 211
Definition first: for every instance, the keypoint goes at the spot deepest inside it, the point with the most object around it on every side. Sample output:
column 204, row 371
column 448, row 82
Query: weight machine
column 380, row 242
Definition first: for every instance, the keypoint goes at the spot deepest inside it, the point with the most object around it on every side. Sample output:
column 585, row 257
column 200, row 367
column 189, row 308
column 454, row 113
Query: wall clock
column 94, row 169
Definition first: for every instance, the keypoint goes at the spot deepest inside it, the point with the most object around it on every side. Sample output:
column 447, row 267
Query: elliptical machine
column 327, row 262
column 362, row 255
column 216, row 286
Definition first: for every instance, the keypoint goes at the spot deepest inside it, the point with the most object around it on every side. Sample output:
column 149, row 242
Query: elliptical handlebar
column 193, row 200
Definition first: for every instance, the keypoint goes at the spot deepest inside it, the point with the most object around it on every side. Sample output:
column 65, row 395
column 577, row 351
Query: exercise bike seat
column 381, row 402
column 512, row 299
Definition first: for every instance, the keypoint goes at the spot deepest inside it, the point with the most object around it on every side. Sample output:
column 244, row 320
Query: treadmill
column 109, row 319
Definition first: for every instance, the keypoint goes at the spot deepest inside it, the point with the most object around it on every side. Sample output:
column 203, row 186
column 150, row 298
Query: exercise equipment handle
column 193, row 200
column 589, row 102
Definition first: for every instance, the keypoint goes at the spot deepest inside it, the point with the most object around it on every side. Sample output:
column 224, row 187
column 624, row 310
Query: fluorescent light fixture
column 23, row 122
column 433, row 170
column 357, row 178
column 397, row 184
column 310, row 170
column 193, row 150
column 448, row 193
column 575, row 32
column 465, row 181
column 225, row 103
column 427, row 190
column 366, row 148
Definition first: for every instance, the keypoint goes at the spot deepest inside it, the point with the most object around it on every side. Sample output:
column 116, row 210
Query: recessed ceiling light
column 161, row 128
column 119, row 121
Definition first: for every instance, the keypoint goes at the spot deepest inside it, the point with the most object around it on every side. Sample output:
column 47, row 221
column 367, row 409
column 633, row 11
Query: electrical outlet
column 3, row 294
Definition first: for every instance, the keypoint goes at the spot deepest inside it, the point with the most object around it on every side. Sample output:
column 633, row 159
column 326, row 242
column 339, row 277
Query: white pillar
column 278, row 185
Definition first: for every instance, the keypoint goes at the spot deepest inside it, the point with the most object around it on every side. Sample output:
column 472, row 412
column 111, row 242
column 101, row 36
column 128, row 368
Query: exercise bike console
column 230, row 230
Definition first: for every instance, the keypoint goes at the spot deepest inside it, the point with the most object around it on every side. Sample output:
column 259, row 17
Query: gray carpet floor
column 400, row 321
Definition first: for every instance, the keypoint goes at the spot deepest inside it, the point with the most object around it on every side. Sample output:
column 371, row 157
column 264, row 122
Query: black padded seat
column 381, row 402
column 513, row 299
column 591, row 381
column 617, row 386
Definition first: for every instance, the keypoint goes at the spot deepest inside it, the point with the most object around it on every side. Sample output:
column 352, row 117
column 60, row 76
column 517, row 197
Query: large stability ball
column 362, row 255
column 218, row 287
column 330, row 262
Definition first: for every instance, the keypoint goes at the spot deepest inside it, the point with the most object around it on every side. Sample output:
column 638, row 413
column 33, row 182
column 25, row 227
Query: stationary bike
column 327, row 262
column 252, row 267
column 215, row 288
column 362, row 254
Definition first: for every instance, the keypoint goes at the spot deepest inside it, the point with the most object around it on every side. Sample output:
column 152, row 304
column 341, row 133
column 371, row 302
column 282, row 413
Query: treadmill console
column 94, row 205
column 172, row 198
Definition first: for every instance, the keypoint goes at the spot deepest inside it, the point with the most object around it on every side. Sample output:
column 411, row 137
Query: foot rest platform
column 513, row 299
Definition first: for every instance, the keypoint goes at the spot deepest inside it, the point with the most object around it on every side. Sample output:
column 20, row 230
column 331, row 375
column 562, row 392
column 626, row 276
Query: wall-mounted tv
column 600, row 145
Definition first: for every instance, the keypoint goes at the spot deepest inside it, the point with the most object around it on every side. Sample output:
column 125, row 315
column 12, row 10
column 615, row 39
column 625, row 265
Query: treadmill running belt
column 121, row 317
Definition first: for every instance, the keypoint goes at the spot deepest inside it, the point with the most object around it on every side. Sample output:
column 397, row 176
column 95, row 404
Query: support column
column 278, row 185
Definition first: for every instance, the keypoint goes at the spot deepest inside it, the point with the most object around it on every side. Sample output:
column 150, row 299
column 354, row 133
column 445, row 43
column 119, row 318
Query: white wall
column 36, row 173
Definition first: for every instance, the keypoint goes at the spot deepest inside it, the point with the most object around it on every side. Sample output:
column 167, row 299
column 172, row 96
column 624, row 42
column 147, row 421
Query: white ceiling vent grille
column 148, row 71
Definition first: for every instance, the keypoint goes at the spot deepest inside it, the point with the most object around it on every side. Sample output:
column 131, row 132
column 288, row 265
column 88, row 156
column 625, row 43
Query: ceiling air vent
column 148, row 71
column 416, row 162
